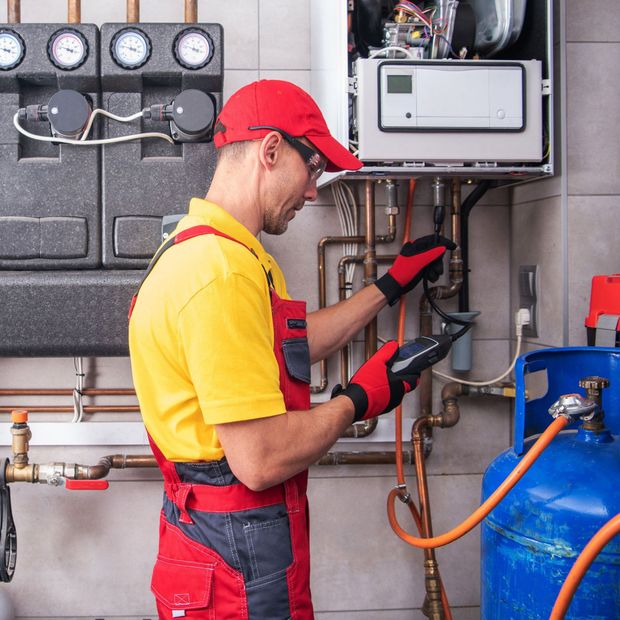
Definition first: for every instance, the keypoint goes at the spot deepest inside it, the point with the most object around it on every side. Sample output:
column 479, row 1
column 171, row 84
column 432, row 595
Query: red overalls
column 206, row 510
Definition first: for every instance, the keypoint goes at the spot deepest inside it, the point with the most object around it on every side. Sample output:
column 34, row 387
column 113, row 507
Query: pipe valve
column 573, row 407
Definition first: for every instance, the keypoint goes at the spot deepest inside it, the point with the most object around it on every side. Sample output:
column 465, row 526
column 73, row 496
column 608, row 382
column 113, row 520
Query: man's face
column 291, row 189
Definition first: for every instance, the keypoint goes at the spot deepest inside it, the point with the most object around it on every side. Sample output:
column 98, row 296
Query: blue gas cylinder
column 532, row 539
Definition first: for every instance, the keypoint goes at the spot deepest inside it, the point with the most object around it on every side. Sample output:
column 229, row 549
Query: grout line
column 564, row 168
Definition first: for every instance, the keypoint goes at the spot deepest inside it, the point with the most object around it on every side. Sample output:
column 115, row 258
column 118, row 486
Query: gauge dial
column 193, row 48
column 67, row 49
column 130, row 48
column 12, row 50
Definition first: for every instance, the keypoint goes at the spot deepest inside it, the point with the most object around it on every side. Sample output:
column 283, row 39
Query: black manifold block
column 78, row 224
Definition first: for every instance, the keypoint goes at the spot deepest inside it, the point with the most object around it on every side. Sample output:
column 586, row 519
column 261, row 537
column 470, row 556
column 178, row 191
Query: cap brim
column 338, row 157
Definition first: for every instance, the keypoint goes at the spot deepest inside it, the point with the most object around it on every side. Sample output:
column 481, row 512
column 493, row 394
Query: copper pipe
column 61, row 409
column 363, row 458
column 30, row 473
column 13, row 11
column 432, row 605
column 191, row 11
column 425, row 388
column 75, row 12
column 321, row 249
column 342, row 288
column 69, row 392
column 133, row 11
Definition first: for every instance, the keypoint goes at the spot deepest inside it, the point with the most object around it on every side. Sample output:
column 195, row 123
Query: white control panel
column 436, row 96
column 450, row 112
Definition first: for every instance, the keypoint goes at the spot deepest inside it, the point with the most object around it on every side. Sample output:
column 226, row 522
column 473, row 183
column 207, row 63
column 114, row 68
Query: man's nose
column 311, row 192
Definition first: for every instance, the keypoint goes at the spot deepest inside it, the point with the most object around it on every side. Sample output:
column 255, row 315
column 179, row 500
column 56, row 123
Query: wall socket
column 528, row 297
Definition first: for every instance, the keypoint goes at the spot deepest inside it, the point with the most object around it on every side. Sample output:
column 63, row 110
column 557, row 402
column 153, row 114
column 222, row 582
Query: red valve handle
column 87, row 485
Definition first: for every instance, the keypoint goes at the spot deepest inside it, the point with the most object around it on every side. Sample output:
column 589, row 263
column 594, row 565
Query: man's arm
column 267, row 451
column 329, row 329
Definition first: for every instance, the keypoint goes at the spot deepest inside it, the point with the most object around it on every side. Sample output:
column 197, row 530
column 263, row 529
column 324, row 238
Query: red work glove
column 374, row 388
column 418, row 259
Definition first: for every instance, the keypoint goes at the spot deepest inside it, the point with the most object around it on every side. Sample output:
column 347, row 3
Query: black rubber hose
column 468, row 204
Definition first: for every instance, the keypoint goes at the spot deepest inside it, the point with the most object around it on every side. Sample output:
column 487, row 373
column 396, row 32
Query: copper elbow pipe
column 133, row 11
column 75, row 12
column 115, row 461
column 13, row 11
column 191, row 11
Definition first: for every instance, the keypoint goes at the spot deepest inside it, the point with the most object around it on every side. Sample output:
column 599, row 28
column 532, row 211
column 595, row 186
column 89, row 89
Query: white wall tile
column 234, row 79
column 74, row 543
column 593, row 104
column 284, row 35
column 602, row 23
column 593, row 222
column 301, row 78
column 240, row 22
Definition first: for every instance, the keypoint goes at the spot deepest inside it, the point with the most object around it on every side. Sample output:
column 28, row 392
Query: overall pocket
column 193, row 581
column 297, row 357
column 269, row 546
column 181, row 587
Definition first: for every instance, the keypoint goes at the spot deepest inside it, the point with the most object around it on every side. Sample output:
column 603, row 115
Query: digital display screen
column 399, row 84
column 410, row 349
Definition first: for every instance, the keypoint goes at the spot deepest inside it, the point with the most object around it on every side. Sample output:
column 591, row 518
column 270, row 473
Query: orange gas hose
column 582, row 564
column 400, row 473
column 481, row 513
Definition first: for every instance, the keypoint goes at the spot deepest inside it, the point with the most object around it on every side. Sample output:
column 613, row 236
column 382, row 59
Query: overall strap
column 184, row 235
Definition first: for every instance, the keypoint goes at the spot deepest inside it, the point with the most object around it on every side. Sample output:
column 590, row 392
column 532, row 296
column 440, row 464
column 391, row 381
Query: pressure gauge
column 67, row 49
column 130, row 48
column 12, row 49
column 193, row 48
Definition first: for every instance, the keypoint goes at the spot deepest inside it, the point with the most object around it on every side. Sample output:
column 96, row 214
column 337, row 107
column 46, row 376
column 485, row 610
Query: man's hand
column 417, row 259
column 374, row 388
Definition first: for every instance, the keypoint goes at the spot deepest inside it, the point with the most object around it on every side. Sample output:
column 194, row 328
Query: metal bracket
column 353, row 84
column 546, row 87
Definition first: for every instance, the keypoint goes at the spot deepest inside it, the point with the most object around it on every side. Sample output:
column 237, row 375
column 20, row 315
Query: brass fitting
column 433, row 607
column 29, row 473
column 594, row 387
column 21, row 436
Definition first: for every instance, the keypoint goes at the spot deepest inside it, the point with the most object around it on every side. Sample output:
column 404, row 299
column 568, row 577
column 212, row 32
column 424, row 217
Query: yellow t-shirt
column 201, row 337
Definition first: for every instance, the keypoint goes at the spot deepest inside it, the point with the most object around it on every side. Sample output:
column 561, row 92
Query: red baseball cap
column 286, row 106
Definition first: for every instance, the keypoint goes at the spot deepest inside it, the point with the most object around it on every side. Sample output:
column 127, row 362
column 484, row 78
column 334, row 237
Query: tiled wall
column 89, row 554
column 568, row 225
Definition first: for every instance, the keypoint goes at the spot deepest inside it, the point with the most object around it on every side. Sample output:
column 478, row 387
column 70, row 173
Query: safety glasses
column 315, row 163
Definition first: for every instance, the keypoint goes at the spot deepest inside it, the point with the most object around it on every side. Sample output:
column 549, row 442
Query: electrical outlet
column 528, row 297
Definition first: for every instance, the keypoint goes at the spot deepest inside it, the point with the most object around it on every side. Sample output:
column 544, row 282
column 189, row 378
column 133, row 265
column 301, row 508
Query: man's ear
column 269, row 151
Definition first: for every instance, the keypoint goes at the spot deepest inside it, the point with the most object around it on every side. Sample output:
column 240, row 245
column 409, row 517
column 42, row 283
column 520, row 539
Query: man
column 221, row 363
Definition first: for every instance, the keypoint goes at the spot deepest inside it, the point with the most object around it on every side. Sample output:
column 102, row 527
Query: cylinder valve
column 594, row 387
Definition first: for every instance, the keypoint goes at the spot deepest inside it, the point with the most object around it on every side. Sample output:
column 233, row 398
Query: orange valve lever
column 87, row 485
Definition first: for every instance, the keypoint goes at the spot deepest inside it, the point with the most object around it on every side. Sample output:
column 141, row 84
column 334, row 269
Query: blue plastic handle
column 564, row 368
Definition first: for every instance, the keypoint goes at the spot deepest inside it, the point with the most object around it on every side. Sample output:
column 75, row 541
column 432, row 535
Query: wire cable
column 120, row 119
column 494, row 499
column 392, row 48
column 490, row 381
column 137, row 136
